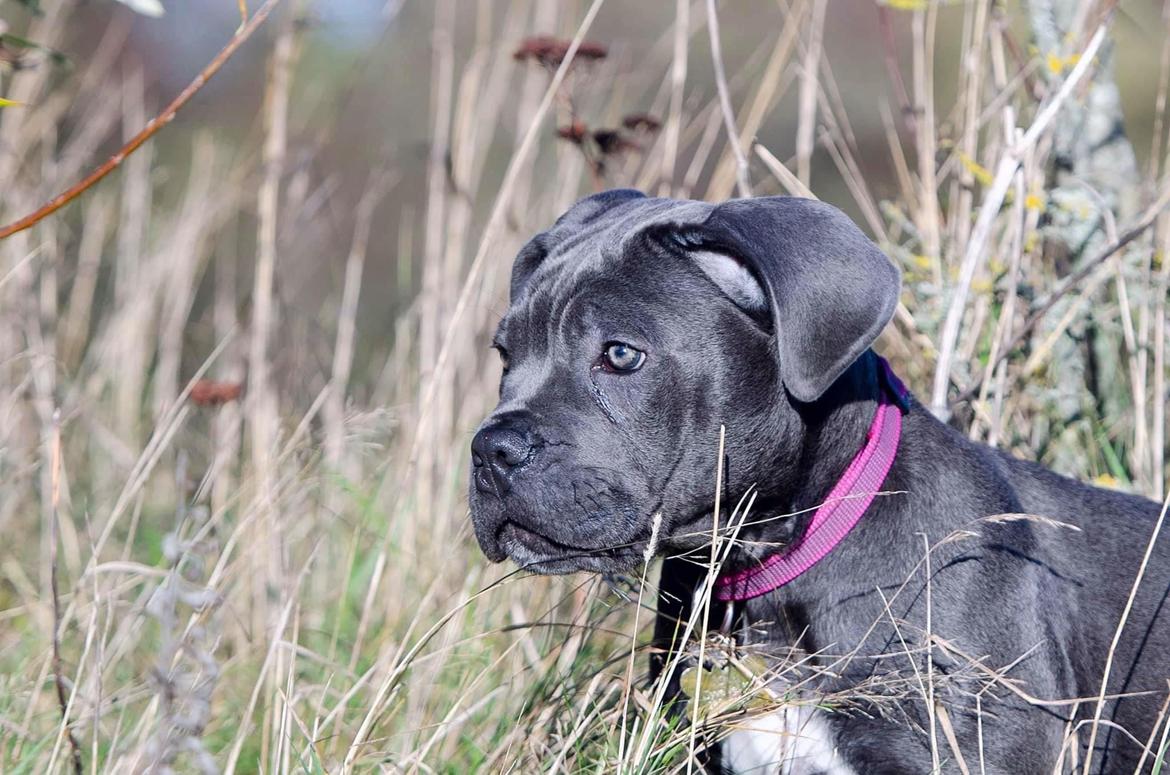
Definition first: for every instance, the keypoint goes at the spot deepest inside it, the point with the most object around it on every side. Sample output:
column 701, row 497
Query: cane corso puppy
column 956, row 612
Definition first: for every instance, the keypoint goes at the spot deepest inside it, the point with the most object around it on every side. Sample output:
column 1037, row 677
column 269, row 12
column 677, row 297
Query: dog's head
column 636, row 328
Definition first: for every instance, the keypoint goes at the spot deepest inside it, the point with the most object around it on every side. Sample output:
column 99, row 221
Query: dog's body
column 1016, row 588
column 757, row 315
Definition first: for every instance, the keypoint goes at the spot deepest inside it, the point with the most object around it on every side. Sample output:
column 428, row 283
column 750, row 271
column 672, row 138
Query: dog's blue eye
column 622, row 357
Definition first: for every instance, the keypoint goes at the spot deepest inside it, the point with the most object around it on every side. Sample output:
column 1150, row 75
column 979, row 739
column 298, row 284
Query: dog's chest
column 795, row 740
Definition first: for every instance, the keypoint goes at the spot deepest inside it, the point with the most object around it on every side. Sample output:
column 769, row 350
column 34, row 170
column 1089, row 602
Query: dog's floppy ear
column 580, row 215
column 827, row 287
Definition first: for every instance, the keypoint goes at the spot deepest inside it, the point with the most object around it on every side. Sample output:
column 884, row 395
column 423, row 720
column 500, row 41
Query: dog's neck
column 832, row 431
column 835, row 428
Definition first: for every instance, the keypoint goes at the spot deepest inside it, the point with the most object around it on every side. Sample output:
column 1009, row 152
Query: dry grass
column 287, row 582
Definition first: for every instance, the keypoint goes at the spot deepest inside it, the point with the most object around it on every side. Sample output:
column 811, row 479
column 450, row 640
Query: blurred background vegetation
column 239, row 375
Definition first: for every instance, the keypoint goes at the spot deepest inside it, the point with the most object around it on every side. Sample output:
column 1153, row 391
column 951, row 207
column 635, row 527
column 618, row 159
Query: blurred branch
column 890, row 47
column 791, row 183
column 741, row 163
column 63, row 702
column 150, row 130
column 809, row 87
column 678, row 78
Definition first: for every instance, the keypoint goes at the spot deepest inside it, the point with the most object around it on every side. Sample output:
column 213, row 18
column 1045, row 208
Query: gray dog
column 638, row 326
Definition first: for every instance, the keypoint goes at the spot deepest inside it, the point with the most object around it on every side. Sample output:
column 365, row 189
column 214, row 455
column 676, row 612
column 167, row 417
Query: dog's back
column 1097, row 566
column 1048, row 588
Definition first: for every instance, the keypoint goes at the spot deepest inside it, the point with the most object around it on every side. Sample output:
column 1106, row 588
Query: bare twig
column 928, row 216
column 890, row 49
column 807, row 120
column 262, row 399
column 678, row 78
column 770, row 87
column 742, row 183
column 148, row 131
column 347, row 316
column 58, row 677
column 790, row 182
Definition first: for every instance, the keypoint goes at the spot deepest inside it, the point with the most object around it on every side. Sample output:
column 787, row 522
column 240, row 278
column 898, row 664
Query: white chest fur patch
column 791, row 741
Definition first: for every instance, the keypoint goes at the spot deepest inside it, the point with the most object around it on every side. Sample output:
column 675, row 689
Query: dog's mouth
column 539, row 553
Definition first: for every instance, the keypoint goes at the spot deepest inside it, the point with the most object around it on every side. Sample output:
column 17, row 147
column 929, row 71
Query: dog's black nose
column 497, row 451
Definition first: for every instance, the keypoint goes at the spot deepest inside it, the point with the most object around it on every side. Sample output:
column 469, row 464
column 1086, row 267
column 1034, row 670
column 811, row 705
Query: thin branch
column 58, row 677
column 148, row 131
column 678, row 79
column 741, row 163
column 890, row 47
column 807, row 118
column 790, row 182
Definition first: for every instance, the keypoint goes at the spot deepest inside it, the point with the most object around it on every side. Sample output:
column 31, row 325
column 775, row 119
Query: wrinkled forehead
column 572, row 295
column 578, row 250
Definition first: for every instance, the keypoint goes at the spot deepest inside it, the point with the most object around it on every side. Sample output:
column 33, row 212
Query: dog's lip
column 534, row 540
column 552, row 549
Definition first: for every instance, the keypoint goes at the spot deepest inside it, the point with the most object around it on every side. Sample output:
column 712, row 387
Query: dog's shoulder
column 1049, row 493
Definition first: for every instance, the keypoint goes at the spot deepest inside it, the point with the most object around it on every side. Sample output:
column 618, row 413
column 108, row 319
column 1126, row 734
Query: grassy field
column 235, row 529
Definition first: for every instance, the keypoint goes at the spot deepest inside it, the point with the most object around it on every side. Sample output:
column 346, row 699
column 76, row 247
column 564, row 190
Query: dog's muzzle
column 545, row 509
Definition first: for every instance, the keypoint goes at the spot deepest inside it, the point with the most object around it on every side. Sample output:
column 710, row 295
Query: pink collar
column 843, row 507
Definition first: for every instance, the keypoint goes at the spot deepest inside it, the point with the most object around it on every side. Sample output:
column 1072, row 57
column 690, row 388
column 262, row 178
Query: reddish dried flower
column 575, row 132
column 550, row 52
column 206, row 392
column 592, row 50
column 612, row 141
column 641, row 122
